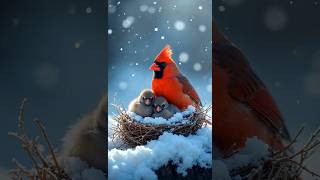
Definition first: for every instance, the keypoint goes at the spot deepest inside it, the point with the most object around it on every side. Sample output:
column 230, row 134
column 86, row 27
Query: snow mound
column 141, row 162
column 178, row 118
column 80, row 170
column 254, row 153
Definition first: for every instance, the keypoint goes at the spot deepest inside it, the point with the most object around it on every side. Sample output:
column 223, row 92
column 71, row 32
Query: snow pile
column 254, row 153
column 178, row 118
column 80, row 170
column 141, row 162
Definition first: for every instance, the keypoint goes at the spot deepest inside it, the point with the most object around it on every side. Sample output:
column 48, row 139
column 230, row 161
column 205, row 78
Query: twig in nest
column 283, row 164
column 134, row 133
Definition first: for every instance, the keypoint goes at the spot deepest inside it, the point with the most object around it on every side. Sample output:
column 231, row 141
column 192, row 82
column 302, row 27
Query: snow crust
column 142, row 162
column 178, row 118
column 80, row 170
column 254, row 153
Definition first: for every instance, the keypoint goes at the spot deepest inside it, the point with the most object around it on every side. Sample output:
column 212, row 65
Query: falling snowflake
column 162, row 37
column 275, row 19
column 88, row 10
column 151, row 10
column 123, row 85
column 183, row 57
column 109, row 31
column 143, row 8
column 179, row 25
column 156, row 29
column 128, row 22
column 77, row 44
column 111, row 9
column 200, row 7
column 221, row 8
column 202, row 28
column 197, row 66
column 209, row 88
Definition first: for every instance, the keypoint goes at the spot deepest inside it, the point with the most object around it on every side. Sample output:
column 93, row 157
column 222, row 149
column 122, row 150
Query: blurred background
column 137, row 32
column 54, row 54
column 281, row 40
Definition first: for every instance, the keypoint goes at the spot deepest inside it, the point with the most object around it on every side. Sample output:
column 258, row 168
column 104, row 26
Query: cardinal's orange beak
column 154, row 67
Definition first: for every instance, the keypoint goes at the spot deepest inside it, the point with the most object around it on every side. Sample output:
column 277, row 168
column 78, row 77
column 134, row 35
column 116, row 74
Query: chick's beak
column 158, row 108
column 147, row 101
column 154, row 67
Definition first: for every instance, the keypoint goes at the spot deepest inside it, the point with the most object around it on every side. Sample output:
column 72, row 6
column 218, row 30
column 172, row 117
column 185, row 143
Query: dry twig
column 43, row 168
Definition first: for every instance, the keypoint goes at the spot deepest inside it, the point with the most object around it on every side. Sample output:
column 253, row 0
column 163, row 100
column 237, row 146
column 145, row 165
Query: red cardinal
column 243, row 106
column 170, row 83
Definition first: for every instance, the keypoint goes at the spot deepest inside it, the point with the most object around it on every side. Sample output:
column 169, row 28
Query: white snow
column 254, row 153
column 111, row 9
column 128, row 22
column 275, row 19
column 178, row 118
column 109, row 31
column 183, row 57
column 162, row 37
column 179, row 25
column 221, row 8
column 197, row 66
column 123, row 85
column 202, row 28
column 152, row 10
column 143, row 8
column 209, row 88
column 88, row 10
column 142, row 161
column 80, row 170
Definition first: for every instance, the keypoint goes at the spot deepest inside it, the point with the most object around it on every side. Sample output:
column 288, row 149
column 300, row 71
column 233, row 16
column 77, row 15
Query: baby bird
column 142, row 105
column 87, row 138
column 163, row 109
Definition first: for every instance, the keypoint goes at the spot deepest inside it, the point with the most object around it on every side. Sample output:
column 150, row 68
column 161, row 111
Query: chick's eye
column 144, row 97
column 163, row 105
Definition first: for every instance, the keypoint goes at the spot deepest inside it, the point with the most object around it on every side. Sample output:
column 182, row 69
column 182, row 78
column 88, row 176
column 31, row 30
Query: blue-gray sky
column 53, row 53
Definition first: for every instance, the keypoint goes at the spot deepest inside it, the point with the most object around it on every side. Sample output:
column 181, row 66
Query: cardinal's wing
column 188, row 89
column 246, row 87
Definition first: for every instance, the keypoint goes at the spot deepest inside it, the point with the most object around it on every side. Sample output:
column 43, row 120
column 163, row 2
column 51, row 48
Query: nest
column 283, row 164
column 134, row 133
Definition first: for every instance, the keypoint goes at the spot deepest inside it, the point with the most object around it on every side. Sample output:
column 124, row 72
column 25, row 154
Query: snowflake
column 109, row 31
column 183, row 57
column 197, row 66
column 179, row 25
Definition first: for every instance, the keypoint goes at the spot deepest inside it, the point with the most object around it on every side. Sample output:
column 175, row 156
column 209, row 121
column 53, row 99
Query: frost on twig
column 45, row 165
